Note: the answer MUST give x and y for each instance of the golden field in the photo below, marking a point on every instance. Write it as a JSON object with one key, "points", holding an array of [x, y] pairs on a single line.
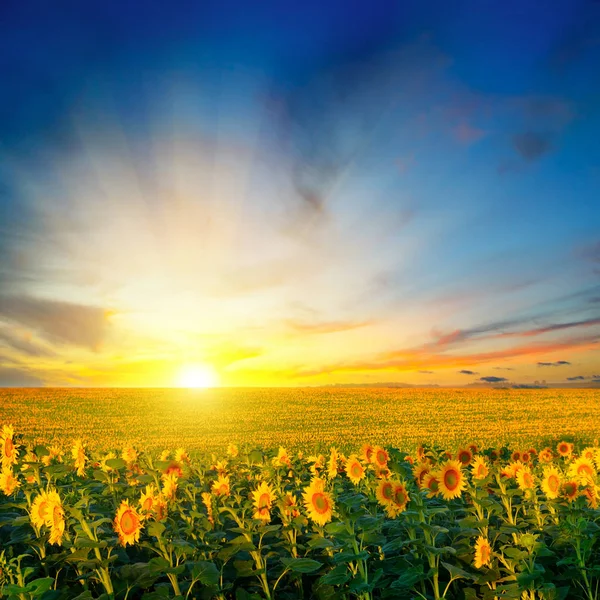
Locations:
{"points": [[208, 420]]}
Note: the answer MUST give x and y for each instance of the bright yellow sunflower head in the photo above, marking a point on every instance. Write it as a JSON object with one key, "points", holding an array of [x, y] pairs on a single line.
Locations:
{"points": [[57, 519], [419, 471], [170, 485], [451, 480], [525, 479], [384, 492], [41, 511], [127, 524], [232, 450], [367, 452], [282, 459], [332, 465], [546, 455], [8, 482], [318, 503], [129, 455], [380, 457], [431, 483], [480, 468], [8, 449], [483, 553], [399, 500], [78, 453], [570, 490], [564, 449], [551, 482], [354, 469], [582, 470], [221, 486], [262, 498], [148, 499]]}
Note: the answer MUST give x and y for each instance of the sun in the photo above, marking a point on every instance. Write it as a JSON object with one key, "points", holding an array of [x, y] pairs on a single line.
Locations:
{"points": [[197, 376]]}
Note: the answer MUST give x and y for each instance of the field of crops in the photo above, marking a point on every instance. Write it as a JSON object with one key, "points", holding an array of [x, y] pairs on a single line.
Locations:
{"points": [[301, 418], [460, 523]]}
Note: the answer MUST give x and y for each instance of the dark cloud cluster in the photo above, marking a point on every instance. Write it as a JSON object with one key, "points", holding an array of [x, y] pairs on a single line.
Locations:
{"points": [[531, 145], [467, 372], [492, 379], [558, 363]]}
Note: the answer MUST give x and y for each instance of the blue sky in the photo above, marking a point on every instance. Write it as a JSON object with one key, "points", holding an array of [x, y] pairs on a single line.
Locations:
{"points": [[299, 194]]}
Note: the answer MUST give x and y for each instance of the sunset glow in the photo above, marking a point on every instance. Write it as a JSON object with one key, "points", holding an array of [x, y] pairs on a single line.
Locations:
{"points": [[197, 376]]}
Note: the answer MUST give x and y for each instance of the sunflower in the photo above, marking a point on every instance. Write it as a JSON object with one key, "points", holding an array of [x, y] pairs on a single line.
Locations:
{"points": [[127, 524], [515, 456], [282, 459], [354, 470], [464, 456], [367, 452], [452, 481], [129, 455], [54, 453], [431, 483], [57, 519], [169, 487], [525, 479], [473, 448], [78, 453], [399, 500], [570, 490], [148, 499], [483, 553], [589, 452], [384, 492], [40, 511], [480, 468], [221, 486], [207, 500], [164, 455], [525, 456], [174, 468], [565, 449], [8, 448], [262, 499], [546, 455], [332, 470], [551, 482], [380, 457], [318, 503], [8, 482], [582, 470], [592, 495], [419, 471], [181, 456], [232, 450], [511, 470], [289, 506]]}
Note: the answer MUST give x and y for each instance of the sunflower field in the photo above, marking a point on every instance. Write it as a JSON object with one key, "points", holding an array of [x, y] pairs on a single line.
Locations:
{"points": [[460, 523]]}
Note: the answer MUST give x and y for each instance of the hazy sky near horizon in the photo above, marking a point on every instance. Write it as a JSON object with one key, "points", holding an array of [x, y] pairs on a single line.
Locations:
{"points": [[299, 193]]}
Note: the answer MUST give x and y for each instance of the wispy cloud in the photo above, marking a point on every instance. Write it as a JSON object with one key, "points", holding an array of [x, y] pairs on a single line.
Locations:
{"points": [[326, 327], [467, 372], [57, 321], [558, 363]]}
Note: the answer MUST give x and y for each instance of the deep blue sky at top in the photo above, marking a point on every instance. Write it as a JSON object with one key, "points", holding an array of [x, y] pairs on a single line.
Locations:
{"points": [[482, 116]]}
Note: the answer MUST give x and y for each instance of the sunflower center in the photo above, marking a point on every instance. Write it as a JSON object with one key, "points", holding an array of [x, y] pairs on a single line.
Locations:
{"points": [[553, 483], [147, 504], [320, 503], [128, 522], [264, 501], [386, 491], [400, 496], [451, 479], [356, 470], [585, 470], [464, 458], [434, 485]]}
